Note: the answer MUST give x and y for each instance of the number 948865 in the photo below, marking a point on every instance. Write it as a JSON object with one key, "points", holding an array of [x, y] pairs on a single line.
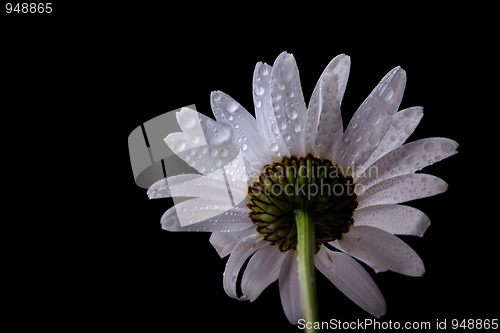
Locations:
{"points": [[28, 8]]}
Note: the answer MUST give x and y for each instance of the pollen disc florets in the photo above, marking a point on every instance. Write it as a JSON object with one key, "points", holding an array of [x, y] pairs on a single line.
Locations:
{"points": [[307, 183]]}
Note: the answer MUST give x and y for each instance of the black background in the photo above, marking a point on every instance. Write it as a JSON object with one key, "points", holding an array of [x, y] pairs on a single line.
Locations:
{"points": [[80, 81]]}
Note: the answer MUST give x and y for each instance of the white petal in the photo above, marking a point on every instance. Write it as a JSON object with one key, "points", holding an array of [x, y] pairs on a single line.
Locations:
{"points": [[244, 249], [290, 288], [161, 188], [351, 279], [229, 184], [264, 114], [190, 185], [224, 242], [288, 102], [323, 124], [395, 219], [262, 270], [234, 219], [204, 144], [401, 189], [245, 133], [402, 126], [381, 250], [188, 119], [407, 159], [372, 119]]}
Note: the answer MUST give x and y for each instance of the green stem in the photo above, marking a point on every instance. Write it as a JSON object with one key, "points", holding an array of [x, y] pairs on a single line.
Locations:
{"points": [[307, 279]]}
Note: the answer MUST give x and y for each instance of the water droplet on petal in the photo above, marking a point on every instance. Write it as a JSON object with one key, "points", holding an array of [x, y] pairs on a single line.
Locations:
{"points": [[297, 128], [429, 147], [259, 90], [409, 129], [244, 147], [446, 147], [220, 133], [373, 116], [353, 150], [410, 160], [274, 147], [276, 96], [386, 92], [196, 139], [180, 145], [291, 113], [232, 106], [397, 124]]}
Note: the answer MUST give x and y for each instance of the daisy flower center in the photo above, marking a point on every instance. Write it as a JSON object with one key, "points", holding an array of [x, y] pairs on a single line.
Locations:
{"points": [[310, 184]]}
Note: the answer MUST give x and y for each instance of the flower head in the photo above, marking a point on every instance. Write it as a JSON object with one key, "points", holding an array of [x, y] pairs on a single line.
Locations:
{"points": [[294, 166]]}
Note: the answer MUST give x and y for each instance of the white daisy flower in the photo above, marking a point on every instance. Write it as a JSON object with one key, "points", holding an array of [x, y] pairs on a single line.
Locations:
{"points": [[274, 190]]}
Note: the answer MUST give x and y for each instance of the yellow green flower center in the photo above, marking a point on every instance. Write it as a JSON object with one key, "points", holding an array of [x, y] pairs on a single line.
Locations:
{"points": [[310, 184]]}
